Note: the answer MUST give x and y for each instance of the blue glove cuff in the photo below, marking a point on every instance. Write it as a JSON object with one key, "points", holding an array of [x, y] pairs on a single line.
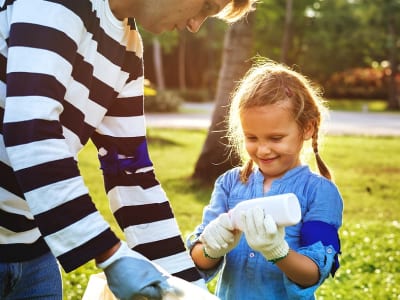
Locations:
{"points": [[122, 251]]}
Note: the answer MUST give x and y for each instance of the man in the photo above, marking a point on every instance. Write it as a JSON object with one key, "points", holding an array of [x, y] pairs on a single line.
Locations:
{"points": [[73, 71]]}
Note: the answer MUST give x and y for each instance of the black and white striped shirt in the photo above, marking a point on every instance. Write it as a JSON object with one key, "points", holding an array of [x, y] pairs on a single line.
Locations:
{"points": [[70, 72]]}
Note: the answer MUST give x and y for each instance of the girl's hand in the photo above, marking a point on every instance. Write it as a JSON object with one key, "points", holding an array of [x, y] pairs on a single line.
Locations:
{"points": [[219, 237], [263, 235]]}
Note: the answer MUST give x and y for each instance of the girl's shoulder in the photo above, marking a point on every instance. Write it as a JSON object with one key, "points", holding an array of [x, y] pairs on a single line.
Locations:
{"points": [[304, 176], [231, 174], [230, 179], [322, 183], [313, 186]]}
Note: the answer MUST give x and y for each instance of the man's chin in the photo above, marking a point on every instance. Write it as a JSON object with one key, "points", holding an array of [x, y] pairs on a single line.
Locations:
{"points": [[156, 30]]}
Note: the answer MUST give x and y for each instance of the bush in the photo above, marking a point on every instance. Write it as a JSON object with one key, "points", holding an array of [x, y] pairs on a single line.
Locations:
{"points": [[163, 101], [197, 96], [362, 83]]}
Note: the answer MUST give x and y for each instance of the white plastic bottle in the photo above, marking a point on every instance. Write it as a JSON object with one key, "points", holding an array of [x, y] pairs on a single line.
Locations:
{"points": [[284, 209]]}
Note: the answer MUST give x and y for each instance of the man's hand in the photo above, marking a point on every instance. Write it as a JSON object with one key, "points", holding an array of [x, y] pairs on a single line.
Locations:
{"points": [[219, 237], [263, 235], [130, 275]]}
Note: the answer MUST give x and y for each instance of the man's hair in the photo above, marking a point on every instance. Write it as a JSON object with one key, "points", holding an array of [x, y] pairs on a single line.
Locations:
{"points": [[236, 9]]}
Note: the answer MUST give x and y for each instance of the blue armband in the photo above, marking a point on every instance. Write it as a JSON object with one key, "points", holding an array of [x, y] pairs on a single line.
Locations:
{"points": [[315, 231], [112, 164]]}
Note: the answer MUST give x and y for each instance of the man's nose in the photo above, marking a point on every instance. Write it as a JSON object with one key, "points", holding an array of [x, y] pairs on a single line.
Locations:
{"points": [[194, 24]]}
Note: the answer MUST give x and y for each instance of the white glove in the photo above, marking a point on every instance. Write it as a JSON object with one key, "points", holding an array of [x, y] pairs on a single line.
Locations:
{"points": [[219, 237], [263, 235]]}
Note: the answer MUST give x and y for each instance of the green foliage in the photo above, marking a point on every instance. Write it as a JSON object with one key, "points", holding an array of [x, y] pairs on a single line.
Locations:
{"points": [[366, 169], [329, 36], [325, 37], [163, 101], [168, 40], [195, 95]]}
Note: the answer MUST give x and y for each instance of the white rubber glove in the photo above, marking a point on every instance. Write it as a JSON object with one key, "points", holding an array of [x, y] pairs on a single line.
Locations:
{"points": [[219, 237], [263, 235], [130, 274]]}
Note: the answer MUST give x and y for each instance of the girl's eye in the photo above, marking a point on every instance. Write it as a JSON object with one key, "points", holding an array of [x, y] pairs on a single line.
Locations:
{"points": [[276, 138], [251, 138]]}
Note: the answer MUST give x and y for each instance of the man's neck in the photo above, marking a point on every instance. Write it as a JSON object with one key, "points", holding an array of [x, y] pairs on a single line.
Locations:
{"points": [[126, 8]]}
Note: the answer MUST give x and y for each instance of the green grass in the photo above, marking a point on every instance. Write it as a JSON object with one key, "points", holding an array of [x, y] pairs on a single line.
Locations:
{"points": [[374, 105], [366, 169], [357, 105]]}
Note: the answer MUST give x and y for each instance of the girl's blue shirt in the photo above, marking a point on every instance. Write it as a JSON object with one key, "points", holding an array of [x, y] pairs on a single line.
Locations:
{"points": [[245, 273]]}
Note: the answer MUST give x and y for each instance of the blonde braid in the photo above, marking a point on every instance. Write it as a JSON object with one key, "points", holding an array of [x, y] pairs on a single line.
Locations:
{"points": [[246, 171], [322, 167]]}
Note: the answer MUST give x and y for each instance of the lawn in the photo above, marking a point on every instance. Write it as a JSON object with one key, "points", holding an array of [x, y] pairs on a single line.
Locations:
{"points": [[366, 169], [372, 105]]}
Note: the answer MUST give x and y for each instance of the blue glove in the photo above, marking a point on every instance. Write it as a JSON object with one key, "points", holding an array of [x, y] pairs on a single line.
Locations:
{"points": [[130, 275]]}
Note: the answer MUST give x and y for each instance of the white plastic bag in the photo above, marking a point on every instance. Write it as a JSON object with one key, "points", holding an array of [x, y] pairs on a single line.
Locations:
{"points": [[97, 289]]}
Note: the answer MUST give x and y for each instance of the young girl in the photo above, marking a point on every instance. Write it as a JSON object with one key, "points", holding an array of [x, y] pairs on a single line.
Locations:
{"points": [[274, 111]]}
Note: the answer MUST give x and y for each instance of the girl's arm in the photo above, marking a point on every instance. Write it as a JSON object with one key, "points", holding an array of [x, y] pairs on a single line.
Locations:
{"points": [[264, 236], [299, 269], [218, 238], [200, 259]]}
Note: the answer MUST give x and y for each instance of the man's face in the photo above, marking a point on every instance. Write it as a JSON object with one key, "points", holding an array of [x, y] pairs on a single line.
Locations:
{"points": [[178, 14]]}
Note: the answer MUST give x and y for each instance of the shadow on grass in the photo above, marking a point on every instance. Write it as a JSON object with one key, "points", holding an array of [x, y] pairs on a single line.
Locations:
{"points": [[159, 141]]}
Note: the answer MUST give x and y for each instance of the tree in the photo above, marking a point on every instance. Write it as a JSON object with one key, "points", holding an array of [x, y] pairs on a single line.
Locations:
{"points": [[181, 60], [238, 45], [287, 32], [393, 14], [158, 64]]}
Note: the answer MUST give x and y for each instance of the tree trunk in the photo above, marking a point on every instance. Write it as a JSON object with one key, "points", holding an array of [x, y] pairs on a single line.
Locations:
{"points": [[182, 60], [214, 158], [158, 65], [394, 90], [287, 32]]}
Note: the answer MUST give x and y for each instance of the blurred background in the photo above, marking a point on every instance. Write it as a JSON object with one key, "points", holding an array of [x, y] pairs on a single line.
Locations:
{"points": [[350, 47]]}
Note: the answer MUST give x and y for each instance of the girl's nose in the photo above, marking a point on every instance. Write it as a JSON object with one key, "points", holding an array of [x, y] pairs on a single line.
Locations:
{"points": [[194, 24], [263, 149]]}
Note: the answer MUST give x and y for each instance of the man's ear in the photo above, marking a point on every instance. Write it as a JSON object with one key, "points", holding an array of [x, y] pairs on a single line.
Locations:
{"points": [[309, 130]]}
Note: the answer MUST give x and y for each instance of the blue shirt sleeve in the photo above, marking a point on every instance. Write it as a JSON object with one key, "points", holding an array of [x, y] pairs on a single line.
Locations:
{"points": [[319, 239], [324, 203], [217, 206], [315, 231], [323, 256]]}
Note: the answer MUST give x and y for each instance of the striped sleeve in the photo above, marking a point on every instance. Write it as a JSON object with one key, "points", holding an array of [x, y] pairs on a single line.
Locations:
{"points": [[75, 76], [42, 54]]}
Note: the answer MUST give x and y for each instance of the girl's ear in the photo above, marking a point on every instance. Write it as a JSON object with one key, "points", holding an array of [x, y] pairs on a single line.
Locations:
{"points": [[309, 130]]}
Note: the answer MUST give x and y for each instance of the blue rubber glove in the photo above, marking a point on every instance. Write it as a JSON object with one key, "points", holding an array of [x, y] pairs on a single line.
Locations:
{"points": [[130, 275]]}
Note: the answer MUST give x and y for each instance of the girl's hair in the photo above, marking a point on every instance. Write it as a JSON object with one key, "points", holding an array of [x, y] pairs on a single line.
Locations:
{"points": [[236, 9], [268, 82]]}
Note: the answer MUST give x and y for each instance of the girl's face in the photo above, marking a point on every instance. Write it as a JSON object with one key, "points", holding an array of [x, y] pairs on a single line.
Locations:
{"points": [[273, 139], [162, 15]]}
